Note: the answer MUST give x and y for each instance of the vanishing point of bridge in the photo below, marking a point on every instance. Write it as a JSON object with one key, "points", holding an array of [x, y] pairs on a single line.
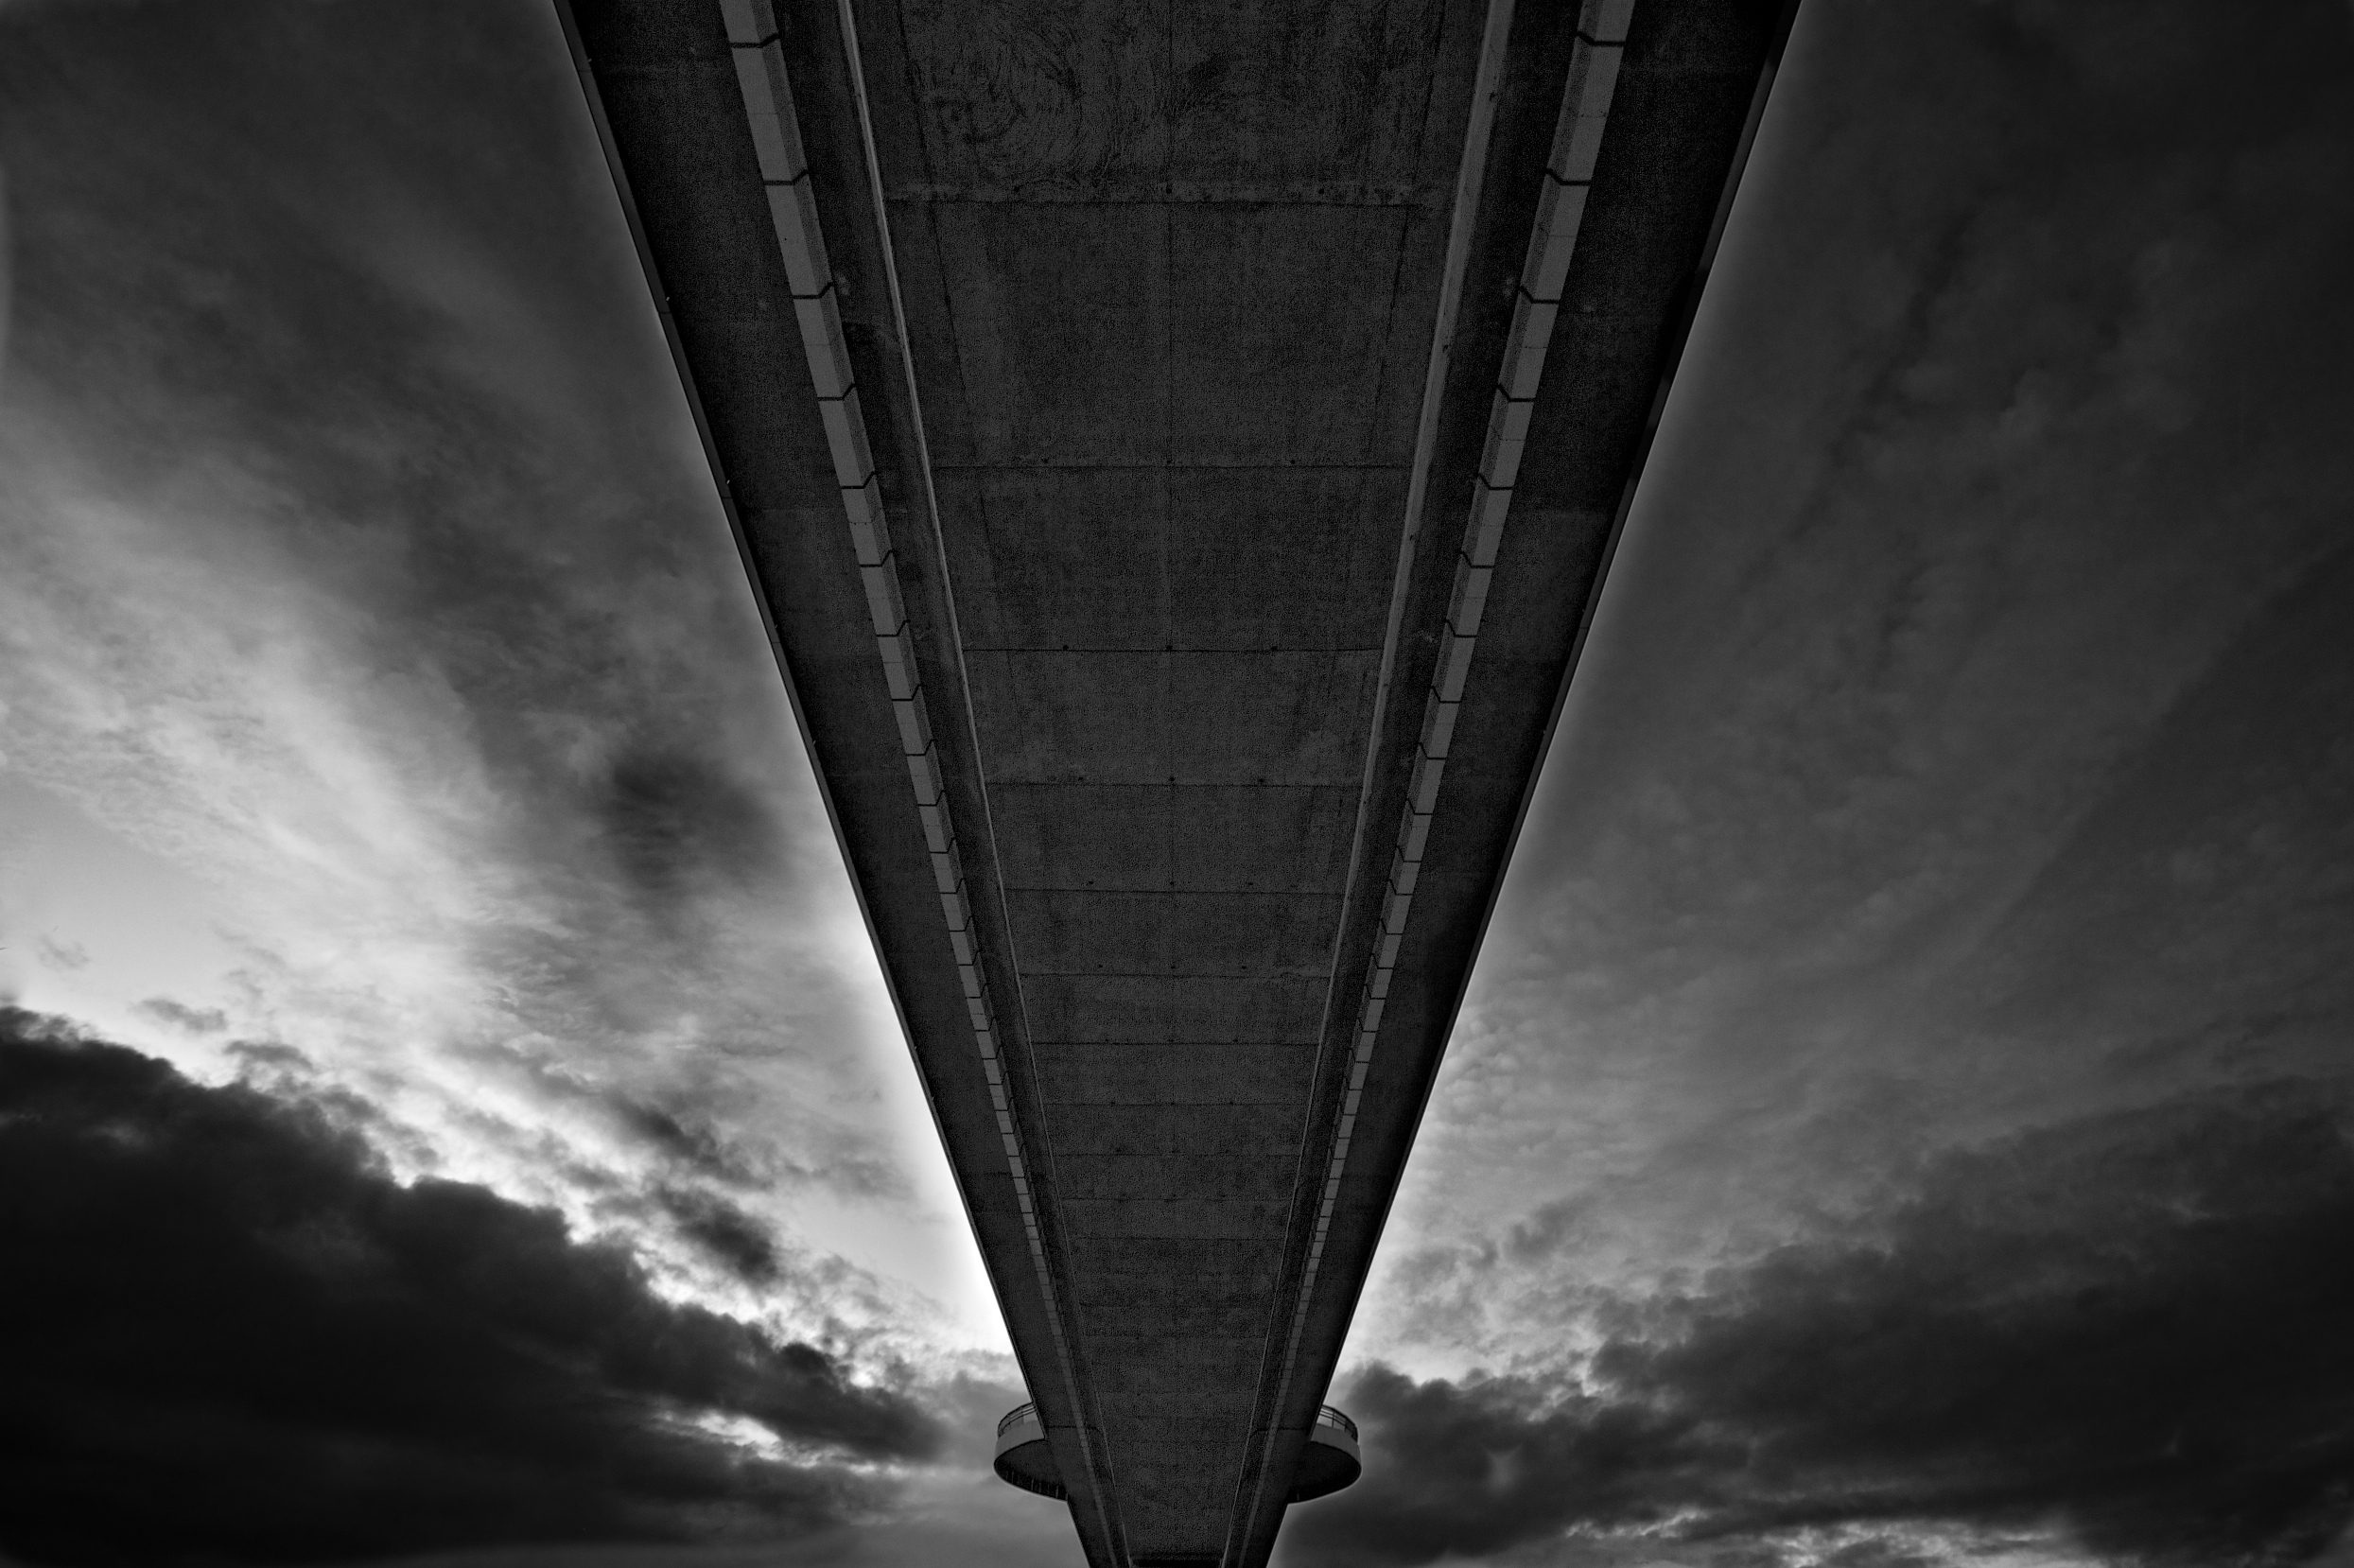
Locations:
{"points": [[1175, 446]]}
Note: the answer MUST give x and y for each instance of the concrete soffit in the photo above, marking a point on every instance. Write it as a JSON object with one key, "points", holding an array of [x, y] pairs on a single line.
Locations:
{"points": [[754, 39], [1600, 41]]}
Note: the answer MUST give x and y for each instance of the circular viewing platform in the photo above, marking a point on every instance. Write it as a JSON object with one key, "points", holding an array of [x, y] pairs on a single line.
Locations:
{"points": [[1022, 1455], [1328, 1461]]}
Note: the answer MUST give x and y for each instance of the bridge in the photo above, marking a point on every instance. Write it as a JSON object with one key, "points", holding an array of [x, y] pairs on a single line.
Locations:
{"points": [[1175, 446]]}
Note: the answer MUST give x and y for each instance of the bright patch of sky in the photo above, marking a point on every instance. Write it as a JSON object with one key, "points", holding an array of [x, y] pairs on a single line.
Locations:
{"points": [[277, 802]]}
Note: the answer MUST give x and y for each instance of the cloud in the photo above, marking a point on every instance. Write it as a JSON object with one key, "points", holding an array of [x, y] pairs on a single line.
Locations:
{"points": [[1955, 750], [2126, 1333], [228, 1333], [361, 578], [725, 1231], [193, 1021], [672, 819], [62, 955]]}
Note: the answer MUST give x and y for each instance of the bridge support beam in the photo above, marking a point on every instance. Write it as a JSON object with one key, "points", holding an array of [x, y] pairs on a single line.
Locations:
{"points": [[1177, 455]]}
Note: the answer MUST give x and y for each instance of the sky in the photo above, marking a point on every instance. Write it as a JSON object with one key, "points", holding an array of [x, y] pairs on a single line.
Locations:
{"points": [[1903, 1116]]}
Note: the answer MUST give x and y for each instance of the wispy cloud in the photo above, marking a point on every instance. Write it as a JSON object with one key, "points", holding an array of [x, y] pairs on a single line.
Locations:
{"points": [[365, 601], [194, 1021]]}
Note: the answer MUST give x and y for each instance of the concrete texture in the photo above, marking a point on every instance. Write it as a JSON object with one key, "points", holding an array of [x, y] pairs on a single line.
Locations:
{"points": [[1076, 432]]}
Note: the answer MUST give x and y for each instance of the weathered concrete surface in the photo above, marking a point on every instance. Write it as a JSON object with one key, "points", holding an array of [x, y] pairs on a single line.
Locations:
{"points": [[1147, 412]]}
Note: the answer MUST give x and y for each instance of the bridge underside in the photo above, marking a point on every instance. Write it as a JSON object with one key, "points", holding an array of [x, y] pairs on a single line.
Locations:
{"points": [[1177, 447]]}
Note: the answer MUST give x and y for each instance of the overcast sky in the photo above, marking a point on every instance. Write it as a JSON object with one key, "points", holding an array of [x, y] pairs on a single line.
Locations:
{"points": [[1903, 1113]]}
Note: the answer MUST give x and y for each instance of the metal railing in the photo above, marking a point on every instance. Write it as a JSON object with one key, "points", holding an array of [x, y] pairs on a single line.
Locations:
{"points": [[1330, 1416]]}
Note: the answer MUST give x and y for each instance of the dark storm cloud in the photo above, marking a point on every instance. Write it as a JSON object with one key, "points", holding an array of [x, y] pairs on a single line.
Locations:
{"points": [[227, 1334], [2134, 1325], [690, 1130], [266, 1058], [689, 1141], [724, 1232]]}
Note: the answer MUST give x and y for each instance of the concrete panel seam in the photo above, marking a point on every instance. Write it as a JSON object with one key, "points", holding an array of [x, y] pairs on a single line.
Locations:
{"points": [[1417, 835], [936, 836], [749, 21], [1438, 724], [1524, 362], [1507, 436], [869, 535], [1486, 535], [1605, 20], [1561, 213], [899, 668], [1469, 607], [885, 610], [775, 143], [820, 320], [793, 213], [1586, 107], [1454, 666], [845, 440], [915, 736]]}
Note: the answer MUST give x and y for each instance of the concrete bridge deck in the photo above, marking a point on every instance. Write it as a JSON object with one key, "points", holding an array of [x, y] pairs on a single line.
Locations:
{"points": [[1177, 447]]}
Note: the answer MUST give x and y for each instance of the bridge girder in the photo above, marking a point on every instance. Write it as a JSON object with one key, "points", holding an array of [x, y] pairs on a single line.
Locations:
{"points": [[1177, 448]]}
